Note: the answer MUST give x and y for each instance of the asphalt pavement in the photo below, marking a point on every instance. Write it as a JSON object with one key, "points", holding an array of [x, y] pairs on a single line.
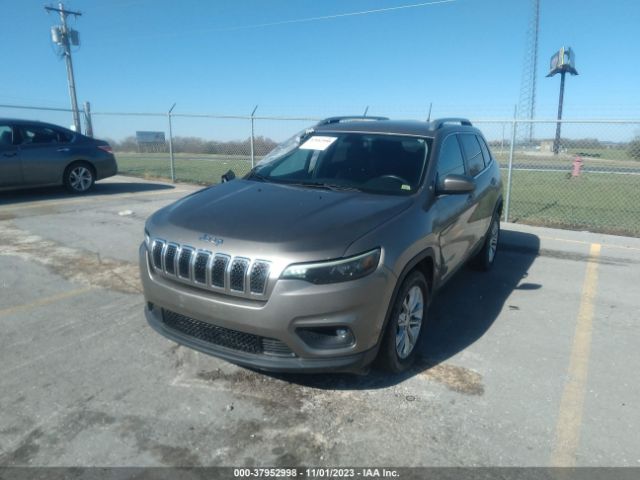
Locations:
{"points": [[533, 364]]}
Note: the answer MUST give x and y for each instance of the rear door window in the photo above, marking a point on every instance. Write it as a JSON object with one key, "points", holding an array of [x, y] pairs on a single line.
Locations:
{"points": [[485, 151], [473, 153], [42, 135], [450, 160]]}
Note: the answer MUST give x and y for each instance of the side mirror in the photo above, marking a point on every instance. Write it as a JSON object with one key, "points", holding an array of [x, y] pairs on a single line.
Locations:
{"points": [[227, 177], [454, 184]]}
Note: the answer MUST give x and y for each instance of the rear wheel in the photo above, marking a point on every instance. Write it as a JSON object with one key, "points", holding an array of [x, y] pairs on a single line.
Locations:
{"points": [[408, 315], [79, 177], [486, 256]]}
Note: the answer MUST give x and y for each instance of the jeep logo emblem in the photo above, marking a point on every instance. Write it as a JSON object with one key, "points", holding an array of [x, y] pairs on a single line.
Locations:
{"points": [[211, 239]]}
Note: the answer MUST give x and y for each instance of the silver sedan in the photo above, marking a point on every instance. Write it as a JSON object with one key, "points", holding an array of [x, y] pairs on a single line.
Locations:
{"points": [[37, 154]]}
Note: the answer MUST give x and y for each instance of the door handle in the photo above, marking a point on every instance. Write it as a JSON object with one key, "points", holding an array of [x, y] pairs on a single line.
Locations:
{"points": [[10, 154], [63, 149]]}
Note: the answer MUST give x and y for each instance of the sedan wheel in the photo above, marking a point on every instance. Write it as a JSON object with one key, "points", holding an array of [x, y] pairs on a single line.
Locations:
{"points": [[80, 178]]}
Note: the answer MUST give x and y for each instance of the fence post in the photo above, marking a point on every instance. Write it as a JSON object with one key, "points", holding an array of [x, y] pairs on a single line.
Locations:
{"points": [[253, 158], [173, 165], [88, 125], [509, 180]]}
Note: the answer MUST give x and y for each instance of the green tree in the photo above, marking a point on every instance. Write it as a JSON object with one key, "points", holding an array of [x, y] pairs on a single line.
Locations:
{"points": [[634, 148]]}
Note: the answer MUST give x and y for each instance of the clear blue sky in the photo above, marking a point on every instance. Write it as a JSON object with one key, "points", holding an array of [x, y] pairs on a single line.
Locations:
{"points": [[466, 57]]}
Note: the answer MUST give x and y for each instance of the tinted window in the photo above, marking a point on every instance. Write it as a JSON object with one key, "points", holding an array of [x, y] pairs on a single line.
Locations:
{"points": [[473, 153], [450, 160], [39, 134], [485, 151], [6, 135]]}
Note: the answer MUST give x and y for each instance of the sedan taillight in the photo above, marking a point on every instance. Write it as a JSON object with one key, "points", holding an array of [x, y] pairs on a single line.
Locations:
{"points": [[106, 148]]}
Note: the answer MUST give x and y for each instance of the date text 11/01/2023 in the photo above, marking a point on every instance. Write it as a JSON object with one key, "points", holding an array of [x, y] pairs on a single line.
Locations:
{"points": [[314, 472]]}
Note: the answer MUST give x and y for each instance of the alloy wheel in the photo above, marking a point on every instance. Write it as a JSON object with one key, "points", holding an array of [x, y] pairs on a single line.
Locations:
{"points": [[80, 178], [409, 322]]}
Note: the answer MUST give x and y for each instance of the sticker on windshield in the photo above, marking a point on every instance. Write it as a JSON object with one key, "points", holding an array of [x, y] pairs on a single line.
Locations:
{"points": [[405, 187], [318, 143]]}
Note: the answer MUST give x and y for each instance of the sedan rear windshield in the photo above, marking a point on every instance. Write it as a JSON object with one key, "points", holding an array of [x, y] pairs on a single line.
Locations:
{"points": [[374, 163]]}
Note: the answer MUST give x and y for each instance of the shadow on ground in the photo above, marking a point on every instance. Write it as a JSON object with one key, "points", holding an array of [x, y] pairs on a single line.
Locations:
{"points": [[462, 312], [10, 197]]}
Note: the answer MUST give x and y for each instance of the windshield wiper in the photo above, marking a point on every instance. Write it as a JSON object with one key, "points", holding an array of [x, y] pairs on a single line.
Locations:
{"points": [[258, 176], [328, 186]]}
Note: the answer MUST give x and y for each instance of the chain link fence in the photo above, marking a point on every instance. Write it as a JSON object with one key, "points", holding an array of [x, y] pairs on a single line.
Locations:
{"points": [[588, 179]]}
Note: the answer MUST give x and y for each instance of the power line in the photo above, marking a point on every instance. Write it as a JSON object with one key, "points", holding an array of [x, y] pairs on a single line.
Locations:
{"points": [[302, 20], [338, 15]]}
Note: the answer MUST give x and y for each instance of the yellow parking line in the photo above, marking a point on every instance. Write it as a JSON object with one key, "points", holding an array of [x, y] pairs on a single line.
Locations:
{"points": [[71, 201], [572, 402], [582, 242], [44, 301]]}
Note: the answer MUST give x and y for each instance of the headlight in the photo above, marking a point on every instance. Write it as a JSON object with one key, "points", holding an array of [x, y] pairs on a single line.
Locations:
{"points": [[334, 271]]}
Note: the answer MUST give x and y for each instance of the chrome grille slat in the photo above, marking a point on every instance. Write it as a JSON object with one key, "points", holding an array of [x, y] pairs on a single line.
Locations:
{"points": [[170, 258], [258, 277], [218, 272], [237, 274], [156, 253], [201, 260], [184, 262]]}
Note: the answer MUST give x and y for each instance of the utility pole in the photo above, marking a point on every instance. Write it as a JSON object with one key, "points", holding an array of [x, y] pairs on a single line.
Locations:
{"points": [[64, 36]]}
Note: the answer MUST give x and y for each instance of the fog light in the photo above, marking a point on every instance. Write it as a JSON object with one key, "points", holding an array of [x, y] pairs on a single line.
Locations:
{"points": [[326, 337], [342, 333]]}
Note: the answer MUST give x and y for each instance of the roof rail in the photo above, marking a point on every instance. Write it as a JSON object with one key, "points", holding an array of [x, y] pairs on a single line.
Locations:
{"points": [[349, 118], [440, 122]]}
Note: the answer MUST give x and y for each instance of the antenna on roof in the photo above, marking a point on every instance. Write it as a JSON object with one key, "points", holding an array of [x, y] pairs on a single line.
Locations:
{"points": [[429, 116], [365, 111]]}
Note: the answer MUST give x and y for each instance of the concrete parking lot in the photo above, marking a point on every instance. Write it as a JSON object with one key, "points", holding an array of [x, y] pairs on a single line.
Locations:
{"points": [[533, 364]]}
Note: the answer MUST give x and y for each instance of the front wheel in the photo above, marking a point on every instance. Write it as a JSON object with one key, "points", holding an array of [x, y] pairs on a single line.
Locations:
{"points": [[486, 256], [79, 178], [408, 316]]}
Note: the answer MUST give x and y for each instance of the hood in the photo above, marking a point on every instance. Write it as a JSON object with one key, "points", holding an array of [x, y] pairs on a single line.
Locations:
{"points": [[256, 218]]}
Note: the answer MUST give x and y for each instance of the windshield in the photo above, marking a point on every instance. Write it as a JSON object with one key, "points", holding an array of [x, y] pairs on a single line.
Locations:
{"points": [[375, 163]]}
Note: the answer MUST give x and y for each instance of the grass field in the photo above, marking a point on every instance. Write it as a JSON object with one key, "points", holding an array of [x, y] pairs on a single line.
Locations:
{"points": [[599, 202], [191, 168]]}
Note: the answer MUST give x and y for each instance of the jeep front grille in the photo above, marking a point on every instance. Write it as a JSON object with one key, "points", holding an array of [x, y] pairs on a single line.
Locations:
{"points": [[213, 271]]}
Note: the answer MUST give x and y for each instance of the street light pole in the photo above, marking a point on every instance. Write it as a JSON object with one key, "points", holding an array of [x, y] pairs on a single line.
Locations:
{"points": [[561, 62], [556, 142]]}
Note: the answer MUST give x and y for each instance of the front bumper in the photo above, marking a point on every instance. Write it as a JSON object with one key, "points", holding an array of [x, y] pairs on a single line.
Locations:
{"points": [[359, 305]]}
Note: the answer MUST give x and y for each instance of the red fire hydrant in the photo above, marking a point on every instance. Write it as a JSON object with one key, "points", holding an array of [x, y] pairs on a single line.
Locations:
{"points": [[577, 166]]}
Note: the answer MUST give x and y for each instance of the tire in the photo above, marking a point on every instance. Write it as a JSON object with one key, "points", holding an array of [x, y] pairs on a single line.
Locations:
{"points": [[486, 257], [399, 344], [79, 177]]}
